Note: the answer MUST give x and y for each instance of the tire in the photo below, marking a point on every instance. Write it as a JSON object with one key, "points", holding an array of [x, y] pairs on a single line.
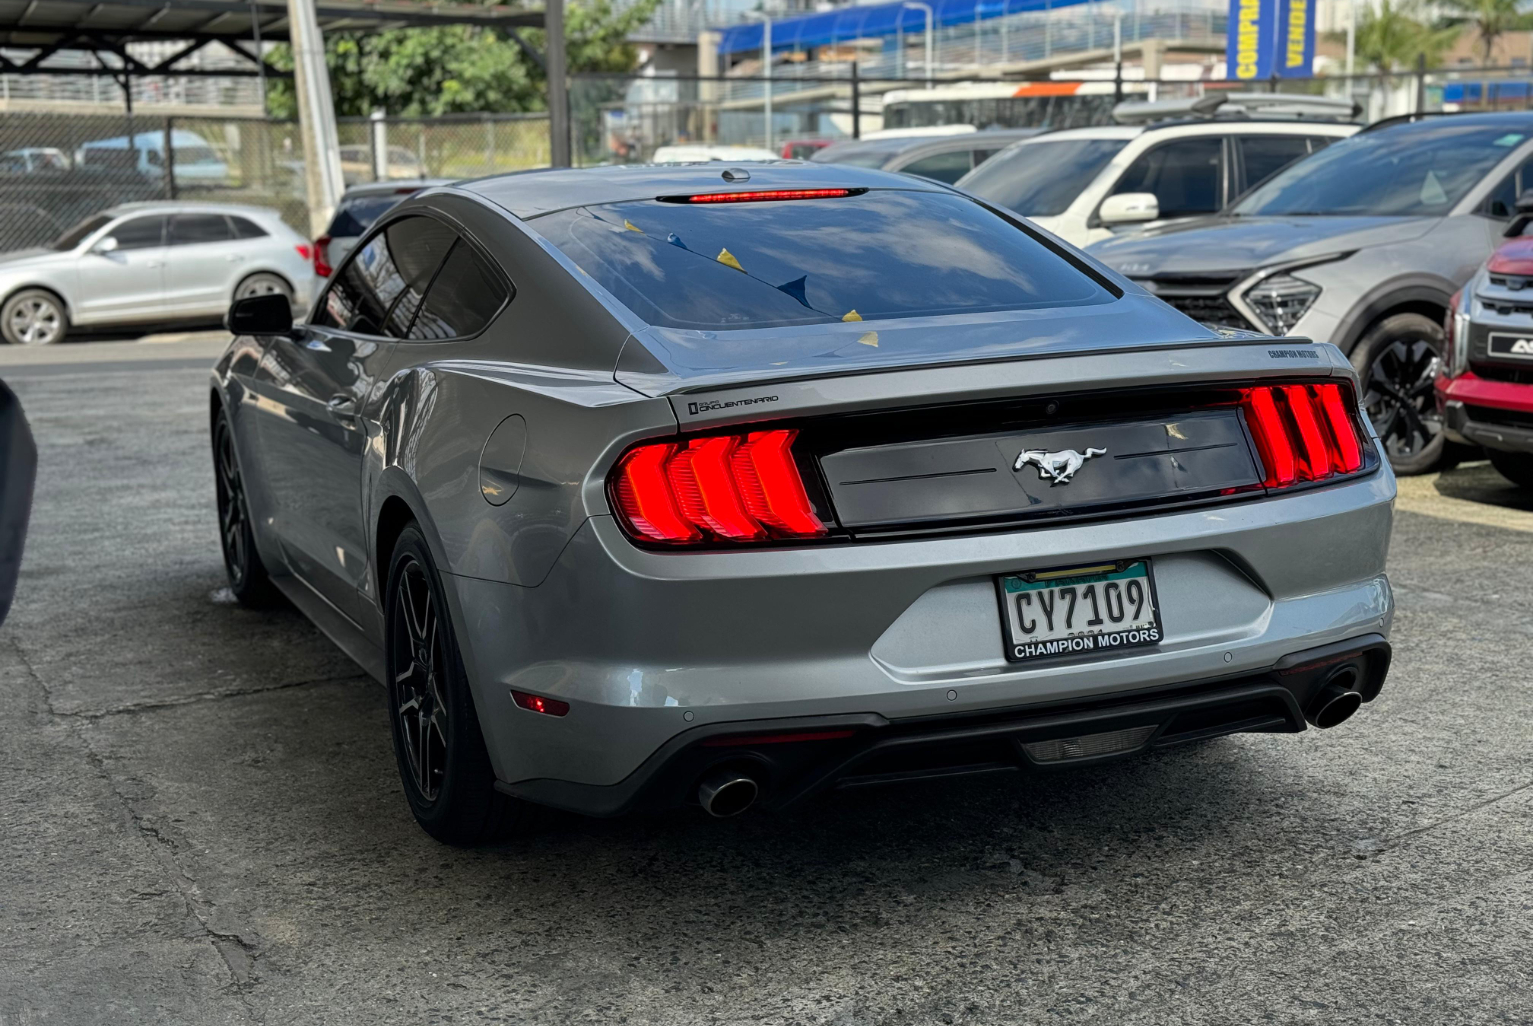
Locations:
{"points": [[248, 579], [34, 317], [263, 284], [1397, 360], [438, 743], [1516, 467]]}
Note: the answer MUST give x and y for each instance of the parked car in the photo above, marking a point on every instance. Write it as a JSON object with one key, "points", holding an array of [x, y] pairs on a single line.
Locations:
{"points": [[1485, 382], [34, 159], [1083, 184], [1361, 245], [357, 164], [803, 149], [359, 207], [643, 487], [195, 161], [18, 474], [943, 158], [690, 152], [151, 263]]}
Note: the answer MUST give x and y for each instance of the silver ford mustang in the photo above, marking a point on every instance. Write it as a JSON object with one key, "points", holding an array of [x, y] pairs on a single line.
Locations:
{"points": [[642, 487]]}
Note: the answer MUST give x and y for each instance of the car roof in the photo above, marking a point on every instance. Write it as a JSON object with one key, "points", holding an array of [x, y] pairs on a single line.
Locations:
{"points": [[1426, 121], [528, 194], [188, 207], [992, 138], [890, 146]]}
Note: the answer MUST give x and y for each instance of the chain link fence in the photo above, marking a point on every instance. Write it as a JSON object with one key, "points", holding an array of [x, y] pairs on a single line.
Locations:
{"points": [[57, 169]]}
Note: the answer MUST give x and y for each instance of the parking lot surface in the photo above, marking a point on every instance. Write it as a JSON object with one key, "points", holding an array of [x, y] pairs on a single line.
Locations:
{"points": [[201, 821]]}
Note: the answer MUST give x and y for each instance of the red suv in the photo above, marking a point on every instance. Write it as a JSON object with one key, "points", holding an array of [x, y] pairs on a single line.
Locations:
{"points": [[1485, 383]]}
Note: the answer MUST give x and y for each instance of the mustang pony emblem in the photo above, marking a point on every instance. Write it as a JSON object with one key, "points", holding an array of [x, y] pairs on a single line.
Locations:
{"points": [[1059, 466]]}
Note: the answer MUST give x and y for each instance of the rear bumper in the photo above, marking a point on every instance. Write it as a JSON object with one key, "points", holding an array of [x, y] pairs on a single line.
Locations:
{"points": [[1494, 414], [789, 762]]}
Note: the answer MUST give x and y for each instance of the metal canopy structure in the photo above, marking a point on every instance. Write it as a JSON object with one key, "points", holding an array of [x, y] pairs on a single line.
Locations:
{"points": [[47, 27]]}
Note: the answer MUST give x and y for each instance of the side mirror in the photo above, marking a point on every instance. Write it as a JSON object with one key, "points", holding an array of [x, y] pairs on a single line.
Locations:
{"points": [[18, 470], [105, 246], [1524, 207], [1129, 208], [260, 315]]}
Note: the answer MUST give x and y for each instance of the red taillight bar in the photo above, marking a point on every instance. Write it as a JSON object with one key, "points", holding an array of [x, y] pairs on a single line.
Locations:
{"points": [[762, 195], [731, 488], [1302, 432], [321, 266]]}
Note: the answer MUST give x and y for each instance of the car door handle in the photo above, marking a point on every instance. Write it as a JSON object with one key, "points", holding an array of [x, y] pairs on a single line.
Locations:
{"points": [[342, 406]]}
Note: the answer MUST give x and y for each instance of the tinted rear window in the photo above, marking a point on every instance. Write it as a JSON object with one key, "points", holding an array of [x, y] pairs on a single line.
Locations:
{"points": [[886, 253], [355, 216]]}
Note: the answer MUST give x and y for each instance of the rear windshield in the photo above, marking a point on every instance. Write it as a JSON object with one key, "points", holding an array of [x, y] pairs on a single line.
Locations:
{"points": [[354, 216], [1041, 179], [885, 253]]}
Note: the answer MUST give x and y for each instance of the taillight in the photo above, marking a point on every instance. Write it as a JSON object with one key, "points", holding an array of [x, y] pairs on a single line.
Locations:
{"points": [[762, 195], [1302, 432], [721, 488], [321, 266]]}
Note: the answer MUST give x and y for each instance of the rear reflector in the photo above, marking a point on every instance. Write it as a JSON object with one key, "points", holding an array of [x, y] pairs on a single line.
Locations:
{"points": [[731, 488], [762, 196], [539, 704], [1303, 432], [303, 250]]}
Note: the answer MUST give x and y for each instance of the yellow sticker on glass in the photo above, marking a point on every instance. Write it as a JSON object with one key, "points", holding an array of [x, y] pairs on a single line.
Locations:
{"points": [[869, 338], [852, 315], [632, 227], [727, 258]]}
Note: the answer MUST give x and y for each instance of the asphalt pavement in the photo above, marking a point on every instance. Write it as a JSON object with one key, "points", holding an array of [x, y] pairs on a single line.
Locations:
{"points": [[201, 822]]}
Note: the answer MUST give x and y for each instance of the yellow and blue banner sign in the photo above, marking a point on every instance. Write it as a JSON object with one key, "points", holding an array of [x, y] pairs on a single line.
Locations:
{"points": [[1270, 37]]}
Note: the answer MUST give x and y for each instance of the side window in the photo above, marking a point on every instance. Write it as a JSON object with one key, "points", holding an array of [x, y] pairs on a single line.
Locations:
{"points": [[395, 264], [419, 244], [191, 229], [943, 167], [1266, 155], [1501, 204], [462, 298], [140, 233], [1183, 175], [245, 228], [1320, 142]]}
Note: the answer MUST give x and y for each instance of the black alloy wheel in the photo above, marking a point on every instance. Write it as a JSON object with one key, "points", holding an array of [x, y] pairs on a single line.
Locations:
{"points": [[1398, 361], [438, 744], [247, 575], [419, 664]]}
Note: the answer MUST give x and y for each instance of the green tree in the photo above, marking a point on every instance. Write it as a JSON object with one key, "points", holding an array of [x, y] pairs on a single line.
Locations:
{"points": [[1390, 37], [462, 68], [1490, 18]]}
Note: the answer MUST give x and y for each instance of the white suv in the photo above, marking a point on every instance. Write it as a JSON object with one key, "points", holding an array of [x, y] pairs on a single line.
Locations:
{"points": [[1084, 183]]}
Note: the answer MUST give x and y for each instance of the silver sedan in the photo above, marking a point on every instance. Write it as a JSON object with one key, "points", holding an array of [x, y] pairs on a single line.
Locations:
{"points": [[151, 264]]}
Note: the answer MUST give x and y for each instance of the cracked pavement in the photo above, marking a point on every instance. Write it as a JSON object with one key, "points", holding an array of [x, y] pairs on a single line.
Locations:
{"points": [[201, 821]]}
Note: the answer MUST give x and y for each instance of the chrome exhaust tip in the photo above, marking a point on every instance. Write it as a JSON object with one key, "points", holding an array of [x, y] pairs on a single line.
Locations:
{"points": [[727, 793], [1337, 699]]}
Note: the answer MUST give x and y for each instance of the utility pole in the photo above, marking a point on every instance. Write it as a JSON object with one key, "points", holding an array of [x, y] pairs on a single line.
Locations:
{"points": [[316, 116], [558, 85], [766, 68]]}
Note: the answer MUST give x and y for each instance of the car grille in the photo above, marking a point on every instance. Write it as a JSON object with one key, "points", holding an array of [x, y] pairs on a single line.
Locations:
{"points": [[1203, 297], [1514, 282], [1496, 372], [1505, 418]]}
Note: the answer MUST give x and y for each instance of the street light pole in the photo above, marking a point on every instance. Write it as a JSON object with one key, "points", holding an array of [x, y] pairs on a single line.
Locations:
{"points": [[766, 67], [1351, 41], [558, 85], [918, 5]]}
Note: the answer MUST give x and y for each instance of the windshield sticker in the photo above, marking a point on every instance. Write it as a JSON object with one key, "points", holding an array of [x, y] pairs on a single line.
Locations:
{"points": [[1510, 139], [632, 227], [1432, 190], [727, 258], [851, 315], [869, 338]]}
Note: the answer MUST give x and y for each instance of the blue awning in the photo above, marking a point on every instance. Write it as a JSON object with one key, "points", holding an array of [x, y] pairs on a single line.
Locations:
{"points": [[873, 21]]}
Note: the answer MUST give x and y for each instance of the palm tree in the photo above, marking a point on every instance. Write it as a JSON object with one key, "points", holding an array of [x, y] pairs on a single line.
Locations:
{"points": [[1390, 36], [1490, 18]]}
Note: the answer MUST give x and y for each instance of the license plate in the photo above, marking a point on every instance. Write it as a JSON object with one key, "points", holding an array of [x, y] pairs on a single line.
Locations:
{"points": [[1512, 347], [1096, 610]]}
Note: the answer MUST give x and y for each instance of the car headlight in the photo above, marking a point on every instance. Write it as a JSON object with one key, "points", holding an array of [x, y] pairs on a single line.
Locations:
{"points": [[1280, 300]]}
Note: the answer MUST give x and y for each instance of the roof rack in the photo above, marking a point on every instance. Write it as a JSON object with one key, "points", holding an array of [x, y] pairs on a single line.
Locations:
{"points": [[1237, 105]]}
